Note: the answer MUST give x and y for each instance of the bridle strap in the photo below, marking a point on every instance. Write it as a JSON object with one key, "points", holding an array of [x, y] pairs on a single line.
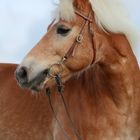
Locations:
{"points": [[79, 38], [83, 16], [91, 30]]}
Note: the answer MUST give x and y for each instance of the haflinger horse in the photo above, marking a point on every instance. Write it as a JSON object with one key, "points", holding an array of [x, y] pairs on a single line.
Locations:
{"points": [[86, 74]]}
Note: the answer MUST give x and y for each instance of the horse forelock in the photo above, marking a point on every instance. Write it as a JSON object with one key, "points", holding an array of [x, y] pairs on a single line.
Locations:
{"points": [[66, 8]]}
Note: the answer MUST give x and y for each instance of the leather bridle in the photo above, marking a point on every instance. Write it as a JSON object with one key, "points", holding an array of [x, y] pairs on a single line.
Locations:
{"points": [[57, 76], [78, 40]]}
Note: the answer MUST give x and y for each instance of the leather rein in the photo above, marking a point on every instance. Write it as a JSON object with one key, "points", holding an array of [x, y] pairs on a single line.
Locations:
{"points": [[57, 76]]}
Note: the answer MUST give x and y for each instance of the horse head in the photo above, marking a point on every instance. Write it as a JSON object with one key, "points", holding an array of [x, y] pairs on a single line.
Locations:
{"points": [[67, 48], [80, 36]]}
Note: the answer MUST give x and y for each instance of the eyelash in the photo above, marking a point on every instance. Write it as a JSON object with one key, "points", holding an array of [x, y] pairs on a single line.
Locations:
{"points": [[62, 31]]}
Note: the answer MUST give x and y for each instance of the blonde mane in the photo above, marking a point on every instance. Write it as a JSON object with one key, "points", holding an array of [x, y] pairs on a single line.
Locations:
{"points": [[110, 15]]}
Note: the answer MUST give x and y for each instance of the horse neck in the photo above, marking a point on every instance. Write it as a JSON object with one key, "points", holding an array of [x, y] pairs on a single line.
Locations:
{"points": [[119, 68], [114, 76]]}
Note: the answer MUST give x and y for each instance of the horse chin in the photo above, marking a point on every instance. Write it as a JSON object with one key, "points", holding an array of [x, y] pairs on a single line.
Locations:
{"points": [[36, 86], [32, 87]]}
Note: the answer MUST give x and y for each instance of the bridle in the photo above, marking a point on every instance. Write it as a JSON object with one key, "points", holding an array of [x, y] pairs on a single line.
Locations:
{"points": [[78, 40], [57, 76]]}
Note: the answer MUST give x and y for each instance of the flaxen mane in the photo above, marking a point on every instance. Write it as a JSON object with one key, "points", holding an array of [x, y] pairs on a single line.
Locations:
{"points": [[111, 15]]}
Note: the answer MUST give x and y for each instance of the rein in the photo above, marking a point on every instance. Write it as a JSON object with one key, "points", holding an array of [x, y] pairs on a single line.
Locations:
{"points": [[57, 76]]}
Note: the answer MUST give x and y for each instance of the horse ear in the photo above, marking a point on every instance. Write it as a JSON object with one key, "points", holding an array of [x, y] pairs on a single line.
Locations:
{"points": [[82, 5]]}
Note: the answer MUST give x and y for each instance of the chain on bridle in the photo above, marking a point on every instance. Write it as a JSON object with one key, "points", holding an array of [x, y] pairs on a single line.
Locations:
{"points": [[57, 76]]}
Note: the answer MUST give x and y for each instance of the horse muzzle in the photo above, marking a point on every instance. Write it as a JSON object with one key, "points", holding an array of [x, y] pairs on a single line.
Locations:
{"points": [[40, 80], [36, 84]]}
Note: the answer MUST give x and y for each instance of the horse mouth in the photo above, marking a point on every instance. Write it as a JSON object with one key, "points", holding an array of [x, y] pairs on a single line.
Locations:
{"points": [[37, 84], [45, 79]]}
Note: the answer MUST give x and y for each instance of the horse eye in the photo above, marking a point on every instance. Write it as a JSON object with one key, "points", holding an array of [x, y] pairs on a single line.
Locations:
{"points": [[63, 30]]}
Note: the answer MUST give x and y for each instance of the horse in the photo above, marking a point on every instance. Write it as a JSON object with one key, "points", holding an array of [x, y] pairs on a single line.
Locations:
{"points": [[80, 82]]}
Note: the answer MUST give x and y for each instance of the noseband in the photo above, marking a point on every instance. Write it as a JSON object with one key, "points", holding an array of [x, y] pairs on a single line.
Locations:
{"points": [[57, 75]]}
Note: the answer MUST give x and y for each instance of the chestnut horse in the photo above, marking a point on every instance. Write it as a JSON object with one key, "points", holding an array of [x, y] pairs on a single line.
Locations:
{"points": [[87, 51]]}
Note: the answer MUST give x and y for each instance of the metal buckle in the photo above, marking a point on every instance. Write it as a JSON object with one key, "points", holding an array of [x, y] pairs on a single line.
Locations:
{"points": [[79, 38]]}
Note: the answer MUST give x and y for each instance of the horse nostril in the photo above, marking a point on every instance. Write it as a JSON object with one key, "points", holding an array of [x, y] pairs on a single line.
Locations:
{"points": [[21, 75]]}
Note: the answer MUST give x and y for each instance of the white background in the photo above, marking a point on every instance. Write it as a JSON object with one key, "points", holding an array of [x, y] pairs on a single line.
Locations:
{"points": [[23, 23]]}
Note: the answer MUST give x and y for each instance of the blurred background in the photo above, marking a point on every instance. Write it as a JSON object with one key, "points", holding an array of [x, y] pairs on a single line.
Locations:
{"points": [[24, 22]]}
